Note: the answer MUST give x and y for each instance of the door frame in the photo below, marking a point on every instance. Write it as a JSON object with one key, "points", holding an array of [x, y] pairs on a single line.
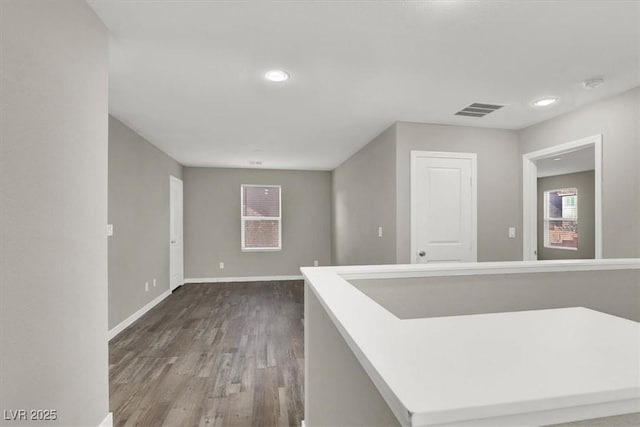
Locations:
{"points": [[530, 192], [415, 155], [173, 179]]}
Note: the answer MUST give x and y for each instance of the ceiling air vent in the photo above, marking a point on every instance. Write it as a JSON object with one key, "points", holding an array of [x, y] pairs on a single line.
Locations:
{"points": [[478, 110]]}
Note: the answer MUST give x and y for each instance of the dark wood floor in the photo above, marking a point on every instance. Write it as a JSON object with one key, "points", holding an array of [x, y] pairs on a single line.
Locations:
{"points": [[227, 354]]}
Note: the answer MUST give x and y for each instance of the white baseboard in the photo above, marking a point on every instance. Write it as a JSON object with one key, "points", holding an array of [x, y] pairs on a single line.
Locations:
{"points": [[138, 314], [108, 421], [241, 279]]}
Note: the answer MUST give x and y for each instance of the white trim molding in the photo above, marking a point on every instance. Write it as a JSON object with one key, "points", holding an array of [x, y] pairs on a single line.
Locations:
{"points": [[475, 268], [242, 279], [108, 421], [530, 198], [138, 314]]}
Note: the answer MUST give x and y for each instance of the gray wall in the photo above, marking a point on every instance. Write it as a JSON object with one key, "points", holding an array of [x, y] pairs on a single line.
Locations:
{"points": [[364, 198], [372, 188], [139, 211], [585, 183], [357, 210], [212, 222], [53, 210], [334, 378], [615, 292], [498, 190], [618, 120]]}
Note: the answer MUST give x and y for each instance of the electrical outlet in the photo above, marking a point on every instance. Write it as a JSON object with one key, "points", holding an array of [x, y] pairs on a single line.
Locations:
{"points": [[154, 282], [109, 229], [146, 286], [222, 266], [512, 232], [315, 263], [379, 231]]}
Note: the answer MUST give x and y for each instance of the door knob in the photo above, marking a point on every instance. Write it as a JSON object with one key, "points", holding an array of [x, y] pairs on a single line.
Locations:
{"points": [[422, 253], [173, 242]]}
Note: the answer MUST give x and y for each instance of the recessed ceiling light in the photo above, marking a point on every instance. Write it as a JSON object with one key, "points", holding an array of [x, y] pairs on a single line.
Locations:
{"points": [[557, 158], [544, 102], [276, 76]]}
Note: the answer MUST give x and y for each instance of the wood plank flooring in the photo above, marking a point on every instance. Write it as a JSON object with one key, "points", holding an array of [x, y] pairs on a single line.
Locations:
{"points": [[224, 354]]}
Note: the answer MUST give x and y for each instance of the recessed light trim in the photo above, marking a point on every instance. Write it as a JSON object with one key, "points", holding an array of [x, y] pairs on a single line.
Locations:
{"points": [[547, 101], [276, 76]]}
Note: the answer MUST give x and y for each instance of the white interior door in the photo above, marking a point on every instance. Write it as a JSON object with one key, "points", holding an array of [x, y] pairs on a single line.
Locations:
{"points": [[443, 207], [176, 269]]}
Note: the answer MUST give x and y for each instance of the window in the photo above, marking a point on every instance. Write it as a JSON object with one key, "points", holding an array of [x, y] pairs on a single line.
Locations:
{"points": [[561, 219], [261, 218]]}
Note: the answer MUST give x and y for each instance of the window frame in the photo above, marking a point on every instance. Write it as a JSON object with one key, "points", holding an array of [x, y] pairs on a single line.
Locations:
{"points": [[546, 219], [244, 219]]}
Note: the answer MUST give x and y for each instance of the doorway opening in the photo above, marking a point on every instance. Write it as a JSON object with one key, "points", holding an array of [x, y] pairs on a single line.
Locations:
{"points": [[553, 228]]}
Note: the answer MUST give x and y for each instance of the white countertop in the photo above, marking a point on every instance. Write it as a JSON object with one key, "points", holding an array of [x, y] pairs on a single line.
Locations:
{"points": [[457, 369]]}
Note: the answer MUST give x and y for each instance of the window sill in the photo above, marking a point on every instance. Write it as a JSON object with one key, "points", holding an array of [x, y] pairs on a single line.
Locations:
{"points": [[560, 247], [261, 249]]}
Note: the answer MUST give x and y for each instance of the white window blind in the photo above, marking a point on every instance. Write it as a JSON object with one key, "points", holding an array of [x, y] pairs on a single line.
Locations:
{"points": [[261, 218]]}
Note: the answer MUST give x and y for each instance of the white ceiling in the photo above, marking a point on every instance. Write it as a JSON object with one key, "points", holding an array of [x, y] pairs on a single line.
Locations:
{"points": [[188, 75], [575, 161]]}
